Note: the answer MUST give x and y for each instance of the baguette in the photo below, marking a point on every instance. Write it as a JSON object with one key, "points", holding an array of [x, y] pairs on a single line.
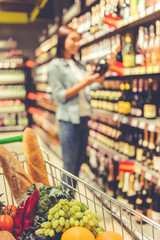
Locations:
{"points": [[18, 180], [36, 165], [5, 235]]}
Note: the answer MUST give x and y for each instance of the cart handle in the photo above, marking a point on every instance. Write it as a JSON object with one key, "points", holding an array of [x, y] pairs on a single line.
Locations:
{"points": [[11, 139]]}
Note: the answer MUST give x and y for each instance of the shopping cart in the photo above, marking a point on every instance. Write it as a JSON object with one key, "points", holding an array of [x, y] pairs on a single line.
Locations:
{"points": [[115, 215]]}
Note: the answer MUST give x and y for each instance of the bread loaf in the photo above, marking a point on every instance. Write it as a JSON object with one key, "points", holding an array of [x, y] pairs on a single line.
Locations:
{"points": [[5, 235], [36, 165], [18, 180]]}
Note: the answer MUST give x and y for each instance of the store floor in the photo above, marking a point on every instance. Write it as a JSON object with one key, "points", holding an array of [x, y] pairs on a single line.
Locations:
{"points": [[18, 147]]}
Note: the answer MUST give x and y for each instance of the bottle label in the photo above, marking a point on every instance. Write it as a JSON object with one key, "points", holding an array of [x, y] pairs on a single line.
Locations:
{"points": [[149, 111], [139, 154], [156, 163], [126, 148], [136, 112], [128, 60], [121, 106], [131, 150], [127, 107]]}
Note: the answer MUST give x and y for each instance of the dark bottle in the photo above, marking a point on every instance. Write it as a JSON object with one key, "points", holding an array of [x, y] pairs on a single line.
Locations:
{"points": [[137, 101], [139, 149], [101, 67], [156, 157], [145, 146], [150, 108], [121, 99], [127, 101], [120, 185], [149, 200], [110, 180], [132, 142], [151, 151], [156, 205]]}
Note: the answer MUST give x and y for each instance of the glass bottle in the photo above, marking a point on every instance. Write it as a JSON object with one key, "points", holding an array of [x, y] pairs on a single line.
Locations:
{"points": [[151, 151], [150, 46], [128, 52], [140, 58], [156, 48], [156, 157], [150, 108], [139, 149], [145, 146]]}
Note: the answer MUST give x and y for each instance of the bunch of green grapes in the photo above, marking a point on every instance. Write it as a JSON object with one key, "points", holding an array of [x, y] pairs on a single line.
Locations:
{"points": [[66, 214]]}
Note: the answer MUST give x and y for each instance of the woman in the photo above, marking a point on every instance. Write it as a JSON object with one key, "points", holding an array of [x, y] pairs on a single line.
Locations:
{"points": [[71, 85]]}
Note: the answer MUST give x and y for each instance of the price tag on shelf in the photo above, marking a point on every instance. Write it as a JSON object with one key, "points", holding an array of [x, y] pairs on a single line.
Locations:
{"points": [[149, 69], [115, 117], [142, 124], [142, 14], [156, 69], [157, 6], [137, 70], [148, 176], [125, 21], [142, 70], [150, 10], [124, 120], [130, 19], [134, 122], [151, 127]]}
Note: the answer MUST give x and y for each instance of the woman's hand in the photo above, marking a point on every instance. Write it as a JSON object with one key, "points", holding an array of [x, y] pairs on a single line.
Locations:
{"points": [[91, 78]]}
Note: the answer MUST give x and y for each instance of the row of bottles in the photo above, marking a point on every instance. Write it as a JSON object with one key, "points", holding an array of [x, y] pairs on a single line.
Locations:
{"points": [[12, 76], [130, 188], [147, 49], [118, 12], [12, 91], [137, 97], [145, 53], [142, 145], [13, 119]]}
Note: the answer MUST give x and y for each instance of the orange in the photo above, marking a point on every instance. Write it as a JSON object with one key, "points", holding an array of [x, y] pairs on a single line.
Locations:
{"points": [[109, 236], [77, 233]]}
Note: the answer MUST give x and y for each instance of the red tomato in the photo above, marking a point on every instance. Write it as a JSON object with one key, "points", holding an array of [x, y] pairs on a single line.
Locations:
{"points": [[6, 223], [11, 209]]}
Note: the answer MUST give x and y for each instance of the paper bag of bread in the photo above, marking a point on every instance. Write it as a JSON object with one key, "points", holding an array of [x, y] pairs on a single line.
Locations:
{"points": [[18, 180], [36, 165]]}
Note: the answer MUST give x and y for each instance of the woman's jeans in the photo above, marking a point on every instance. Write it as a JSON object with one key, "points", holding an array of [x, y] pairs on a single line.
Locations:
{"points": [[74, 139]]}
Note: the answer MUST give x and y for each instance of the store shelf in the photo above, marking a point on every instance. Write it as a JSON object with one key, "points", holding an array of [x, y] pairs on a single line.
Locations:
{"points": [[150, 15], [11, 128], [142, 123], [138, 167]]}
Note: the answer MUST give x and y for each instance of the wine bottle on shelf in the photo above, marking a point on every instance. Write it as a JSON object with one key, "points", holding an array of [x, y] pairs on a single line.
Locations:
{"points": [[127, 101], [134, 100], [125, 185], [131, 194], [151, 151], [149, 200], [132, 142], [156, 157], [120, 185], [140, 57], [145, 146], [150, 48], [156, 205], [156, 49], [139, 149], [150, 108], [128, 52], [121, 99], [110, 181]]}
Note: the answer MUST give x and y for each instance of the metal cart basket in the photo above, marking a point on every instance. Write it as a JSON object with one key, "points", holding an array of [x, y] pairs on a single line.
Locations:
{"points": [[115, 215]]}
